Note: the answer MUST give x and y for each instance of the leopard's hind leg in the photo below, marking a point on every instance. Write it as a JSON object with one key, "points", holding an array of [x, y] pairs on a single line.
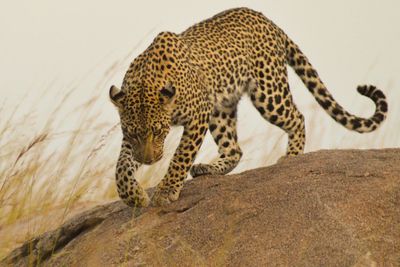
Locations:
{"points": [[273, 100]]}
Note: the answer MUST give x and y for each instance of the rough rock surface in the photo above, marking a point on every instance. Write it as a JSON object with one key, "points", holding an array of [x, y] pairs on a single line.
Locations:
{"points": [[328, 208]]}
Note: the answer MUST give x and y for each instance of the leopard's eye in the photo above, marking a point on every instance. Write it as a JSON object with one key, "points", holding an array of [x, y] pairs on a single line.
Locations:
{"points": [[157, 130], [134, 141], [132, 138]]}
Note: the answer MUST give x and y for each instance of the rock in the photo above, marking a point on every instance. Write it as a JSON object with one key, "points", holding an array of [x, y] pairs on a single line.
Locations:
{"points": [[327, 208]]}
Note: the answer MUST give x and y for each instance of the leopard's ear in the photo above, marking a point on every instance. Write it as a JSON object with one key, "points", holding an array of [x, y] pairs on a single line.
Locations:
{"points": [[167, 93], [116, 96]]}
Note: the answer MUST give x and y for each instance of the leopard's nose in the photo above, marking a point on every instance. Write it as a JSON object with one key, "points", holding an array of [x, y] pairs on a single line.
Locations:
{"points": [[149, 156], [151, 160], [148, 151], [148, 162]]}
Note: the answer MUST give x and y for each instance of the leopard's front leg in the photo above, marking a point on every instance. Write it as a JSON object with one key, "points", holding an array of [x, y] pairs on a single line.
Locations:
{"points": [[170, 187], [128, 187]]}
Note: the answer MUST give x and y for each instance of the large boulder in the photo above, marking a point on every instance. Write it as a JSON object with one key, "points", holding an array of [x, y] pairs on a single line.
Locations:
{"points": [[327, 208]]}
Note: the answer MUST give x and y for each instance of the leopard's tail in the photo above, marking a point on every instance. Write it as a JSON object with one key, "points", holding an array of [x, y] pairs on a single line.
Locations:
{"points": [[299, 62]]}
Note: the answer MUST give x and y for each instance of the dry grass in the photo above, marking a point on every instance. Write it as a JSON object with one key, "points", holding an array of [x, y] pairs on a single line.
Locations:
{"points": [[49, 169], [49, 174]]}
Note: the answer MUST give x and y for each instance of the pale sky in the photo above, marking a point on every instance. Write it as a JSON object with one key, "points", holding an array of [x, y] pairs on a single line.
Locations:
{"points": [[52, 44], [46, 39]]}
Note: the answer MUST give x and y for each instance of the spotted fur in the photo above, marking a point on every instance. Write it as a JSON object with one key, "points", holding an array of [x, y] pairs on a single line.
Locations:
{"points": [[196, 78]]}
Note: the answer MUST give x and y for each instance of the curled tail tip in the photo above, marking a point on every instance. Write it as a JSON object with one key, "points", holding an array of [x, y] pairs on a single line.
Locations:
{"points": [[364, 89], [376, 95], [381, 110], [372, 92]]}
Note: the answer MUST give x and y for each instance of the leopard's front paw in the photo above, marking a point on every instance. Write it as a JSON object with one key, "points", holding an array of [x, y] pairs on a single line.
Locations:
{"points": [[164, 196], [200, 169], [144, 200], [139, 199]]}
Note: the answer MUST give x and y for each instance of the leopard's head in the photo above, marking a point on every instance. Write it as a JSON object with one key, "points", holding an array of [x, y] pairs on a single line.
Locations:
{"points": [[149, 93], [145, 117]]}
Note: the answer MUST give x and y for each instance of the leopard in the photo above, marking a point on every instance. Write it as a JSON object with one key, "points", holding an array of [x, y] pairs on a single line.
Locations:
{"points": [[195, 80]]}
